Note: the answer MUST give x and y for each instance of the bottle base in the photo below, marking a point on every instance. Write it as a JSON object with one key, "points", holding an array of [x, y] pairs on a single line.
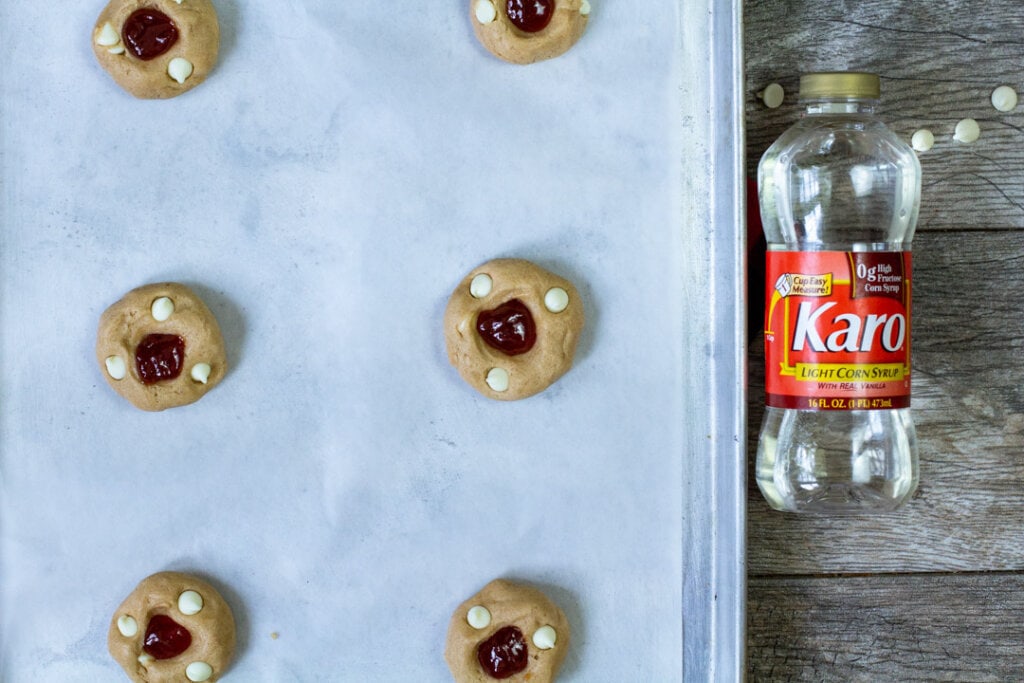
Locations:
{"points": [[837, 462], [840, 498]]}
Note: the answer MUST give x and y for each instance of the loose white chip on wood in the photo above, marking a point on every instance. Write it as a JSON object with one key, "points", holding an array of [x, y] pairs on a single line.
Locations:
{"points": [[922, 140], [967, 131], [773, 95], [1004, 98]]}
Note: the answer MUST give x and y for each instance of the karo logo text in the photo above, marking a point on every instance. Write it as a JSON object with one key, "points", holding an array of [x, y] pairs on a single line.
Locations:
{"points": [[848, 332]]}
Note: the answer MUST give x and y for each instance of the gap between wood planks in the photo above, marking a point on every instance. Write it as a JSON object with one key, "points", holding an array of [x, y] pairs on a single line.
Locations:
{"points": [[885, 574]]}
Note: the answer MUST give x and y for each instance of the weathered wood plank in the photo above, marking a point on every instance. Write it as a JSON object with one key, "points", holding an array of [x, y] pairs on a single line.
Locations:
{"points": [[939, 62], [887, 628], [968, 384], [857, 615]]}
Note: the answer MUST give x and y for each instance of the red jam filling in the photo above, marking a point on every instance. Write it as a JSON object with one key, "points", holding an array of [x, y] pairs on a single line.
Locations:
{"points": [[159, 357], [504, 654], [509, 328], [165, 638], [530, 15], [149, 33]]}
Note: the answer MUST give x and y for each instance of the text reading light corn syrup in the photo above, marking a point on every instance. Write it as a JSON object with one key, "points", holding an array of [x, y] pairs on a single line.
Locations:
{"points": [[837, 330]]}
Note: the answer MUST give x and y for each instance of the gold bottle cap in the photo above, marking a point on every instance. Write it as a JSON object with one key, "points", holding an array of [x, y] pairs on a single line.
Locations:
{"points": [[850, 84]]}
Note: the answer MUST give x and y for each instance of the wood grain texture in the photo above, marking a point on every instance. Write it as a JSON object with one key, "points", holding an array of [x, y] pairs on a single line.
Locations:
{"points": [[881, 598], [887, 628], [939, 62]]}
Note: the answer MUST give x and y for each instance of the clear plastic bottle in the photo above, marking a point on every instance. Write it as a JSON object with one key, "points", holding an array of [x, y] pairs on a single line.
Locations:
{"points": [[838, 186]]}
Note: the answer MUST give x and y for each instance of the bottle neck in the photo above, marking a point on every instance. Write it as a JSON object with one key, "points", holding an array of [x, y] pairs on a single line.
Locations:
{"points": [[838, 105]]}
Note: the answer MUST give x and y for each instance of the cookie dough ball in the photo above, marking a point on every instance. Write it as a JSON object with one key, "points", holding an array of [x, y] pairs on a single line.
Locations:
{"points": [[511, 328], [527, 31], [507, 631], [160, 347], [172, 628], [157, 49]]}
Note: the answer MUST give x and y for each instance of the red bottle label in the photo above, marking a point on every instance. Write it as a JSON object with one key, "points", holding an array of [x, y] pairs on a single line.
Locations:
{"points": [[837, 330]]}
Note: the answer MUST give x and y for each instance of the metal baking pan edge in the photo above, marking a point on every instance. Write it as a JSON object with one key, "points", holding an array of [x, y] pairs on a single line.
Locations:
{"points": [[714, 562]]}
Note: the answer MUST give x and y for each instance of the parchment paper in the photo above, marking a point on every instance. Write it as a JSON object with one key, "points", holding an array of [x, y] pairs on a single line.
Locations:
{"points": [[324, 191]]}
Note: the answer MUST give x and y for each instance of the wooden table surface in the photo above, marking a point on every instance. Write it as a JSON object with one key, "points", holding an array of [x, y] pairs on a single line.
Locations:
{"points": [[935, 591]]}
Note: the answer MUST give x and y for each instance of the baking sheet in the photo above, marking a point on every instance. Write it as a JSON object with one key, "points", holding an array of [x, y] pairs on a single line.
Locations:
{"points": [[341, 170]]}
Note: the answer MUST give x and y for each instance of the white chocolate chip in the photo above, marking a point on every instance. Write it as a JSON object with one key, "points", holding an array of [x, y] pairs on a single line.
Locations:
{"points": [[116, 50], [773, 95], [146, 659], [1004, 98], [556, 300], [190, 603], [478, 617], [201, 372], [198, 671], [107, 36], [485, 11], [116, 367], [967, 131], [179, 69], [922, 140], [162, 309], [481, 286], [545, 637], [585, 8], [127, 626], [497, 379]]}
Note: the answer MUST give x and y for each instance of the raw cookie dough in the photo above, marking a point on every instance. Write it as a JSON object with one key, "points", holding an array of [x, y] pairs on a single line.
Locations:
{"points": [[507, 631], [511, 328], [527, 31], [160, 347], [173, 627], [157, 49]]}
